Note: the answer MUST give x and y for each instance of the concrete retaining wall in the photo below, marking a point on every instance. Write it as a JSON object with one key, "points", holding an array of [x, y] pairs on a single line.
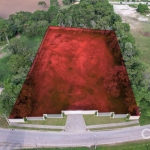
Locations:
{"points": [[120, 115], [83, 112], [104, 114], [35, 118], [54, 115], [16, 120], [134, 117]]}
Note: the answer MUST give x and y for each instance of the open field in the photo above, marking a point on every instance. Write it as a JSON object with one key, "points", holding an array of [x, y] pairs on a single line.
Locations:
{"points": [[140, 29], [8, 7]]}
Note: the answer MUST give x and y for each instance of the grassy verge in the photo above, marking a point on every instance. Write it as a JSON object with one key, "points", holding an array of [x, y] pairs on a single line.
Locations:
{"points": [[50, 121], [94, 120], [41, 129], [133, 5]]}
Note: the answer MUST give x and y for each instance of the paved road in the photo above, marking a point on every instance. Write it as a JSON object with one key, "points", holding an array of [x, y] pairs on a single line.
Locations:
{"points": [[127, 3], [11, 139]]}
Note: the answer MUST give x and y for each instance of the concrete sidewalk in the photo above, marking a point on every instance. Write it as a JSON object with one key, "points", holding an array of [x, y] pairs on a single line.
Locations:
{"points": [[75, 123], [113, 124]]}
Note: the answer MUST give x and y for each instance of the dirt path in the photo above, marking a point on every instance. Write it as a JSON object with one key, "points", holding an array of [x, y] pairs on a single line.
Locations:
{"points": [[130, 15], [1, 89], [8, 7], [140, 29]]}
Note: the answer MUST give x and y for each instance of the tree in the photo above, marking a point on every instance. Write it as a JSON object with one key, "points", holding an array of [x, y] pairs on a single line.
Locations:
{"points": [[4, 29], [68, 2], [52, 13], [142, 8], [60, 18], [17, 47], [54, 3], [42, 3], [6, 102]]}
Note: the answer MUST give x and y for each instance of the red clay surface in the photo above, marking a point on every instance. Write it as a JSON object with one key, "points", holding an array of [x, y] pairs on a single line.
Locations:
{"points": [[76, 69]]}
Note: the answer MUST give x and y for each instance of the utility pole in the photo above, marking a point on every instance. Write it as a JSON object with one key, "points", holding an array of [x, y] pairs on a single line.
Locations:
{"points": [[36, 143], [95, 141]]}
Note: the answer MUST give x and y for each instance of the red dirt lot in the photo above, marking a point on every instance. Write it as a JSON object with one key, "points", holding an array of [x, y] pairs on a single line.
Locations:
{"points": [[76, 69]]}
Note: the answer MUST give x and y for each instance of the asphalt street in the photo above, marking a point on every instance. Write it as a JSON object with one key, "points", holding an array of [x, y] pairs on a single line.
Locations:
{"points": [[11, 139]]}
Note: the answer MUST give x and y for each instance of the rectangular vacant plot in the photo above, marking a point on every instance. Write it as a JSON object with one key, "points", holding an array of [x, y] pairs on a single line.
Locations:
{"points": [[76, 69]]}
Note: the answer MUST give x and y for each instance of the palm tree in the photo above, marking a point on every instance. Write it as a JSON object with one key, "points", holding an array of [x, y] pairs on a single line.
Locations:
{"points": [[60, 18]]}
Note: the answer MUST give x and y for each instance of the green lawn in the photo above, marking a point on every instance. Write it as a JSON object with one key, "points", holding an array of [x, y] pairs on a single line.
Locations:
{"points": [[133, 5], [94, 120], [32, 42], [50, 121], [39, 129]]}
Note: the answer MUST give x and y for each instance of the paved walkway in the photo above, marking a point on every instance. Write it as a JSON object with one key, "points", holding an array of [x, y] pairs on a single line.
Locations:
{"points": [[113, 124], [75, 123], [36, 126]]}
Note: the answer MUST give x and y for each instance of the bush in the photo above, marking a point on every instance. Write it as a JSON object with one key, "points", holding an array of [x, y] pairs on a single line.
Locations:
{"points": [[25, 119], [45, 117], [142, 8], [128, 116]]}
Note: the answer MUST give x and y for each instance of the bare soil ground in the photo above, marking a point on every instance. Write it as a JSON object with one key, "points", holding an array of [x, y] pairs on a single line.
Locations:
{"points": [[8, 7], [72, 75], [131, 16]]}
